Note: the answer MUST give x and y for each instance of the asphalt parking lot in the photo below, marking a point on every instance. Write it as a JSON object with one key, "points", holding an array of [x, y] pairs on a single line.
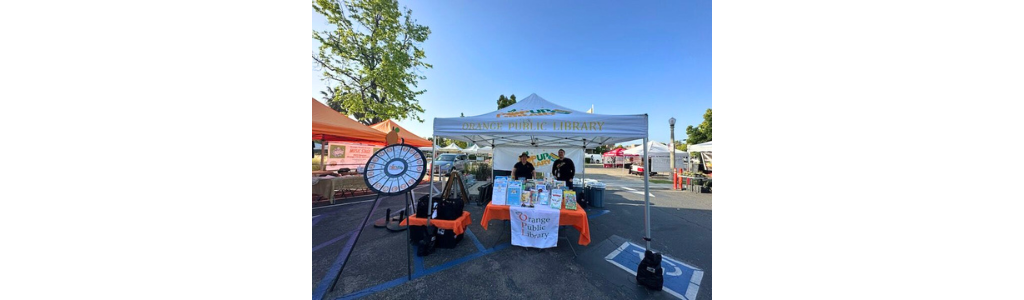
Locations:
{"points": [[485, 265]]}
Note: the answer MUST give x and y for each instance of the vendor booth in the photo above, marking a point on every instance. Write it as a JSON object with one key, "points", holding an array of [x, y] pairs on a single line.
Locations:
{"points": [[617, 158], [349, 145], [539, 128], [659, 156], [404, 135]]}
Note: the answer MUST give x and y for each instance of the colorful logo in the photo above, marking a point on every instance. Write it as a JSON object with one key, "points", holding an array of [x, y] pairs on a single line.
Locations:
{"points": [[532, 113], [542, 159]]}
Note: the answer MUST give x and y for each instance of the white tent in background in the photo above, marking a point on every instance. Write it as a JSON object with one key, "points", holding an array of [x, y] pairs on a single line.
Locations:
{"points": [[451, 148], [485, 150], [471, 149], [535, 123], [702, 147], [660, 158]]}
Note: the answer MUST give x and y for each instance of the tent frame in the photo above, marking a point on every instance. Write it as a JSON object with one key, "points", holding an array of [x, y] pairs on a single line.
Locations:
{"points": [[530, 139]]}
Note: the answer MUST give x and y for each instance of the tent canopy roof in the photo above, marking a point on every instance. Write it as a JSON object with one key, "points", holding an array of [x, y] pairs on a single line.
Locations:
{"points": [[655, 148], [410, 138], [535, 122], [334, 126], [702, 147]]}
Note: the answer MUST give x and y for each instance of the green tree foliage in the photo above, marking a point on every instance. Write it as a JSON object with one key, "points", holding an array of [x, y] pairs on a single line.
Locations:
{"points": [[370, 61], [680, 146], [701, 133], [443, 142], [505, 102], [440, 142], [502, 101]]}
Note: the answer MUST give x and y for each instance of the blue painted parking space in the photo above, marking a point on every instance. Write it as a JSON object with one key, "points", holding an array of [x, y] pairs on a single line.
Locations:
{"points": [[681, 280]]}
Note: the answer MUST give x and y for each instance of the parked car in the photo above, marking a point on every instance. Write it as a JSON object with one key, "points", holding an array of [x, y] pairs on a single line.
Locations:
{"points": [[445, 163], [638, 170]]}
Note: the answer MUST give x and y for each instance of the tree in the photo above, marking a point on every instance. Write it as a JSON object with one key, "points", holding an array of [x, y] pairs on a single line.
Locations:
{"points": [[701, 133], [371, 70], [505, 102], [502, 101], [679, 145], [440, 142]]}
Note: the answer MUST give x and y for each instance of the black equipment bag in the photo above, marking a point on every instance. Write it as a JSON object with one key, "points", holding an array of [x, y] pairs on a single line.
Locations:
{"points": [[447, 238], [451, 207], [649, 273], [427, 242], [485, 191]]}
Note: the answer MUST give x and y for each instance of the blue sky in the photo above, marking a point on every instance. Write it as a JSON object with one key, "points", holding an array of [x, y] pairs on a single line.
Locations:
{"points": [[620, 57]]}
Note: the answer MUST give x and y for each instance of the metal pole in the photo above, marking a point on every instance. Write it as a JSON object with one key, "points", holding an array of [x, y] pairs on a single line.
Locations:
{"points": [[408, 235], [430, 201], [492, 163], [647, 199], [584, 162], [323, 149], [672, 147], [376, 202]]}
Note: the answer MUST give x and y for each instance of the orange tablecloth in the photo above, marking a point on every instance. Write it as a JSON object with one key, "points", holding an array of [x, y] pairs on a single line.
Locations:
{"points": [[458, 225], [577, 218]]}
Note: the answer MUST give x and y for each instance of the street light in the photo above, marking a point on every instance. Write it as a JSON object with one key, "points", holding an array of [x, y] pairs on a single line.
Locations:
{"points": [[672, 146]]}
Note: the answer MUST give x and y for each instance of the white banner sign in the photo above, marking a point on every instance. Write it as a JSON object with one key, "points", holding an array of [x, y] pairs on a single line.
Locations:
{"points": [[348, 155], [534, 227], [541, 158]]}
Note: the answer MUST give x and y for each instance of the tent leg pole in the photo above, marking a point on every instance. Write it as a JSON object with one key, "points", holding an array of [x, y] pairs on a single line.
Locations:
{"points": [[647, 198], [584, 162], [433, 163], [408, 234], [323, 149], [492, 162]]}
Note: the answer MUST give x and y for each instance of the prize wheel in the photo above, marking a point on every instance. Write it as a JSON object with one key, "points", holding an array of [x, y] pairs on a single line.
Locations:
{"points": [[395, 169]]}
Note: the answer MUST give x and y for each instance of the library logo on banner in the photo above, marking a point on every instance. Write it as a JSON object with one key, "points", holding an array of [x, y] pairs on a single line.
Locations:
{"points": [[534, 227]]}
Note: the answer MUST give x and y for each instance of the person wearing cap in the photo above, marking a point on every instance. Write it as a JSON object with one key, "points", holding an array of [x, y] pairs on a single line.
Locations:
{"points": [[564, 169], [523, 168]]}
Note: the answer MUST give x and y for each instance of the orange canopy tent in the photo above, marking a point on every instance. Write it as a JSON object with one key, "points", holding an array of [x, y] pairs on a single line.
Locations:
{"points": [[410, 138], [333, 126]]}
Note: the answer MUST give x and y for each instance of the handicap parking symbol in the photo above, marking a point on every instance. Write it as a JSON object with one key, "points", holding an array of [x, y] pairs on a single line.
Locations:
{"points": [[681, 280]]}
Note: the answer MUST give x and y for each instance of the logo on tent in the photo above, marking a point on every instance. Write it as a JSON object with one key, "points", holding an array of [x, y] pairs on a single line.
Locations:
{"points": [[532, 113]]}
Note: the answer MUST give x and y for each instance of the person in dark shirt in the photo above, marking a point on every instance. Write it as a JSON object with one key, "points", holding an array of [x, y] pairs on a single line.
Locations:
{"points": [[523, 168], [564, 169]]}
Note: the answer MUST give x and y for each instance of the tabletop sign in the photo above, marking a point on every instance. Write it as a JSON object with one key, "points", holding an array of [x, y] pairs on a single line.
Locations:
{"points": [[531, 227], [395, 169], [499, 194]]}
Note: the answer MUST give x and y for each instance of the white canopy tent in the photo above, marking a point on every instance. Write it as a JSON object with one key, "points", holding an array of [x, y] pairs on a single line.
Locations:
{"points": [[705, 153], [471, 149], [659, 154], [486, 150], [702, 147], [535, 122], [451, 148]]}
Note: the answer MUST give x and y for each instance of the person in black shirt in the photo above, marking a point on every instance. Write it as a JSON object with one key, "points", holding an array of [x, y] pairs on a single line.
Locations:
{"points": [[564, 169], [523, 168]]}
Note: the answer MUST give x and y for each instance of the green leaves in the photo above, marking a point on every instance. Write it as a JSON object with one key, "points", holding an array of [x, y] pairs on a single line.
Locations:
{"points": [[370, 60], [505, 102], [701, 133]]}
